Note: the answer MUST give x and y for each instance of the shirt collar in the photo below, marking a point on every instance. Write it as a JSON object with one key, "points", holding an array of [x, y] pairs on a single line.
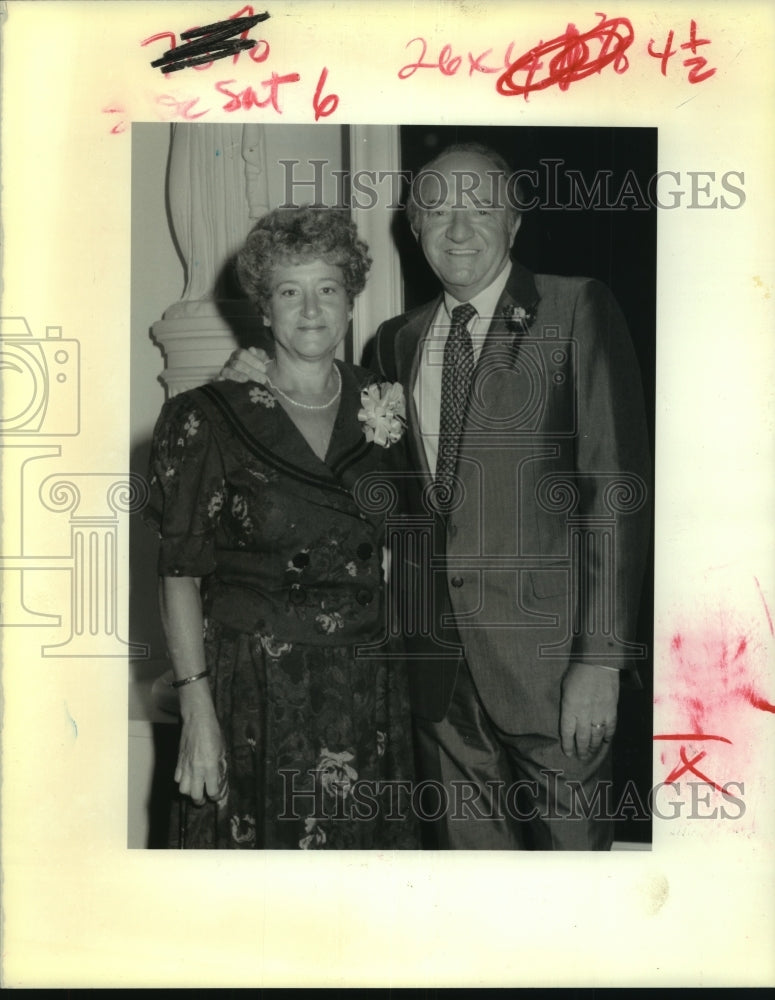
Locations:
{"points": [[486, 301]]}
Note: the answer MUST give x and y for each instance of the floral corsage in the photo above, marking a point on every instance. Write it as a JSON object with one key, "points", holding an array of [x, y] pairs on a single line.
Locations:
{"points": [[518, 319], [383, 412]]}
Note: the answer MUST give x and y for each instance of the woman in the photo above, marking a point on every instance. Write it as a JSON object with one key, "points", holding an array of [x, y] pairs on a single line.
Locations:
{"points": [[271, 573]]}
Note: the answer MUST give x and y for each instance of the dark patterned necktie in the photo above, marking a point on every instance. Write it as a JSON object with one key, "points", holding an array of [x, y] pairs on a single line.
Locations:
{"points": [[456, 373]]}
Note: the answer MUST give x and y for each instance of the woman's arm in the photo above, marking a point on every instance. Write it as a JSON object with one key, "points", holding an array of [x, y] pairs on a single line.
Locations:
{"points": [[201, 767]]}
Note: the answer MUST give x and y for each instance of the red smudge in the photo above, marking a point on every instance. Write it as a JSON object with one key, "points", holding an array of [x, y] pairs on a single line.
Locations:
{"points": [[766, 609], [712, 672], [696, 710], [718, 671], [716, 676]]}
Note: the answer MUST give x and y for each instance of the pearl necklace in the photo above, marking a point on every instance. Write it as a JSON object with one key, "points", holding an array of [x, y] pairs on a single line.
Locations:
{"points": [[312, 406]]}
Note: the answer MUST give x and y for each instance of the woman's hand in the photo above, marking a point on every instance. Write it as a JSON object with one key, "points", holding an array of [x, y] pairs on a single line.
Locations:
{"points": [[245, 366], [201, 770]]}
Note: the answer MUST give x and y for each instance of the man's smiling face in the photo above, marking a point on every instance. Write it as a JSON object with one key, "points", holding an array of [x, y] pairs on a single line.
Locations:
{"points": [[465, 225]]}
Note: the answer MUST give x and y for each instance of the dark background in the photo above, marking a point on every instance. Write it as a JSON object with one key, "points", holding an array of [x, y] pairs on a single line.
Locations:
{"points": [[618, 246]]}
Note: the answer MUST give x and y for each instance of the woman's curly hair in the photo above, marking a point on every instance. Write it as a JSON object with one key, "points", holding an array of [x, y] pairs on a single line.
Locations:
{"points": [[298, 236]]}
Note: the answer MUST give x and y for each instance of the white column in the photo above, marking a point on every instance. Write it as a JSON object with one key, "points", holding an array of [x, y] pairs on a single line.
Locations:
{"points": [[376, 148], [217, 188]]}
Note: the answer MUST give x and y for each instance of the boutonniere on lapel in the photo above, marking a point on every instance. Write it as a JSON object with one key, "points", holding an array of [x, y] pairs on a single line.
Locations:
{"points": [[383, 412], [518, 319]]}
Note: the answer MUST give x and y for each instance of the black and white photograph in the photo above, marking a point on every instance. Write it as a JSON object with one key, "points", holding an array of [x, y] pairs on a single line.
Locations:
{"points": [[491, 689]]}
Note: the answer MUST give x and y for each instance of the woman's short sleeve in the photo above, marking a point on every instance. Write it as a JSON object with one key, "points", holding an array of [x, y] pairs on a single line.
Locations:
{"points": [[187, 488]]}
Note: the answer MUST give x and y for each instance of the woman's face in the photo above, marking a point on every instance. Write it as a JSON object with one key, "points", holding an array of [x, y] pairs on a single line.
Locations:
{"points": [[308, 310]]}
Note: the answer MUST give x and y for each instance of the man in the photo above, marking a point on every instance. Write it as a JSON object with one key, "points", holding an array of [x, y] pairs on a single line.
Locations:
{"points": [[526, 434]]}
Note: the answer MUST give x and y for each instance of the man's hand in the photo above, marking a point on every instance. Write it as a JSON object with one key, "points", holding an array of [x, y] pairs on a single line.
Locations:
{"points": [[245, 366], [588, 709]]}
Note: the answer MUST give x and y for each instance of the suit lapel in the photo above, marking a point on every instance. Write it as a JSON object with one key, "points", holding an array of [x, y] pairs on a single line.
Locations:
{"points": [[496, 361], [408, 352], [520, 292]]}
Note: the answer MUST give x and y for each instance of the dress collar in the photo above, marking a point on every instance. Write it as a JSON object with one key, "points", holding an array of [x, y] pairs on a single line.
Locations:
{"points": [[252, 414]]}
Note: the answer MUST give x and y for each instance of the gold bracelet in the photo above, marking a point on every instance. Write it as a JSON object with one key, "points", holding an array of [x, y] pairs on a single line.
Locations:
{"points": [[189, 680]]}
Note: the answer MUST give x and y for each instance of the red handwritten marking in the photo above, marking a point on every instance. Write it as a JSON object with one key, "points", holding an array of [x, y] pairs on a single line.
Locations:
{"points": [[203, 45], [328, 105], [695, 76], [697, 63], [219, 40], [247, 98], [571, 58], [171, 41], [758, 702], [476, 65], [572, 61], [183, 108], [689, 736], [764, 602], [116, 110], [260, 52], [448, 63], [665, 54], [215, 39], [688, 765]]}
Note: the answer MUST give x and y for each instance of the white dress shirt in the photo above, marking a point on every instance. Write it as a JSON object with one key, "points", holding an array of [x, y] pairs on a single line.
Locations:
{"points": [[427, 389]]}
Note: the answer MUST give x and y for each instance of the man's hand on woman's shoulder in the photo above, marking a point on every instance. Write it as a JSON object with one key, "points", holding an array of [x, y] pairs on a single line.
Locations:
{"points": [[245, 365]]}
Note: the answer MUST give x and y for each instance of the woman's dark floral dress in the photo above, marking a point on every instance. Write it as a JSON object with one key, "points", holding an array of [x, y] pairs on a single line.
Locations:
{"points": [[318, 740]]}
